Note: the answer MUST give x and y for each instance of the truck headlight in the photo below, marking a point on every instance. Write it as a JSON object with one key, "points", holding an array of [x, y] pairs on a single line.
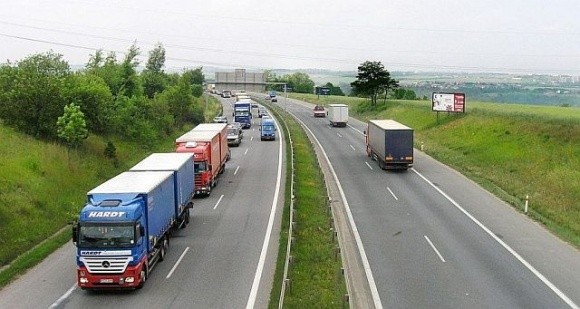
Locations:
{"points": [[84, 280], [130, 279]]}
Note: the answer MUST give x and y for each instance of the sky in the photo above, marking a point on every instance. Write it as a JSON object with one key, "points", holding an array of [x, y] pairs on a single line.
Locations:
{"points": [[509, 36]]}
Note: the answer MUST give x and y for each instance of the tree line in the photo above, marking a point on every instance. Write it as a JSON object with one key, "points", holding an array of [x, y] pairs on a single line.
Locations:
{"points": [[372, 81], [41, 96]]}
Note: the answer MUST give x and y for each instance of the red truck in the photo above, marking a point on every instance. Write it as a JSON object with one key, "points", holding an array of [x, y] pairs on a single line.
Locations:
{"points": [[210, 151]]}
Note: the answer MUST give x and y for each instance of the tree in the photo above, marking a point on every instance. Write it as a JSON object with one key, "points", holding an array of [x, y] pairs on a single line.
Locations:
{"points": [[334, 90], [372, 80], [32, 93], [195, 76], [91, 94], [154, 78], [300, 82], [71, 126], [129, 80]]}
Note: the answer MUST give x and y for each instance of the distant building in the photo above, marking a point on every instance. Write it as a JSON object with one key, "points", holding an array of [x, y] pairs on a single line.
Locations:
{"points": [[240, 80]]}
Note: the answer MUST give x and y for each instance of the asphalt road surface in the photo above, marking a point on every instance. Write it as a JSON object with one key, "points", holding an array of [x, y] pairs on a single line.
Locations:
{"points": [[434, 239]]}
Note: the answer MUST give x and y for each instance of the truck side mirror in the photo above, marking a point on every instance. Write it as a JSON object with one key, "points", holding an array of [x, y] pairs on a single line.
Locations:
{"points": [[75, 233], [365, 132], [141, 230]]}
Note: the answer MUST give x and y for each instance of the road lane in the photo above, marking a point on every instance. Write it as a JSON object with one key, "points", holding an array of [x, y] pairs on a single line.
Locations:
{"points": [[477, 280]]}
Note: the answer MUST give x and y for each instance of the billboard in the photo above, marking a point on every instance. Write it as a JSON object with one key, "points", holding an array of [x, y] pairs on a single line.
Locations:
{"points": [[448, 102]]}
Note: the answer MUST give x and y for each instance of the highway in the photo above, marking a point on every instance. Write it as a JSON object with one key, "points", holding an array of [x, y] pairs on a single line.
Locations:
{"points": [[434, 239], [225, 258]]}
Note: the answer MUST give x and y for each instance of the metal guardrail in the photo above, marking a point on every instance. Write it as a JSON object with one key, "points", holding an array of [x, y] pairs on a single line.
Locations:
{"points": [[285, 280]]}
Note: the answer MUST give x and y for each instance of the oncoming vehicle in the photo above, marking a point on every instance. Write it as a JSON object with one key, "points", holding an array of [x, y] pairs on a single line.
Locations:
{"points": [[319, 111]]}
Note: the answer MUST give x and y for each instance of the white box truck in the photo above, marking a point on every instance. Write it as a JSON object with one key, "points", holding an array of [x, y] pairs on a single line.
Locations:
{"points": [[338, 115]]}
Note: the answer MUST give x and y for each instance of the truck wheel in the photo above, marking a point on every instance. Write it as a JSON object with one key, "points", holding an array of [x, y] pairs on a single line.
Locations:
{"points": [[143, 278], [164, 248], [381, 164], [186, 217]]}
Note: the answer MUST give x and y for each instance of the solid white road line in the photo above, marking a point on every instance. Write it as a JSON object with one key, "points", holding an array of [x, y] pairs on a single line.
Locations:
{"points": [[218, 202], [177, 263], [262, 261], [368, 165], [503, 244], [361, 249], [393, 194], [236, 171], [434, 249], [61, 299]]}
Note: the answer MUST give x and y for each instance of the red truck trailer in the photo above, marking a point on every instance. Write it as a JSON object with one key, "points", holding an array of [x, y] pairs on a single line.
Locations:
{"points": [[209, 156], [222, 129]]}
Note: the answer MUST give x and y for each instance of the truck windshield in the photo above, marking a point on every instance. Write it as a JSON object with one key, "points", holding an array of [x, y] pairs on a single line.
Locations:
{"points": [[107, 235], [242, 113], [199, 167]]}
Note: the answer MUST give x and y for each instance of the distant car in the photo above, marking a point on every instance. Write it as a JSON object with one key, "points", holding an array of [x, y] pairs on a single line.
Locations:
{"points": [[274, 99], [254, 104], [319, 111], [220, 119]]}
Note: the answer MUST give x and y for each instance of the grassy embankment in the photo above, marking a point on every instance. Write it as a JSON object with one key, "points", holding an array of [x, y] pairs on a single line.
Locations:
{"points": [[511, 150], [43, 187], [316, 280]]}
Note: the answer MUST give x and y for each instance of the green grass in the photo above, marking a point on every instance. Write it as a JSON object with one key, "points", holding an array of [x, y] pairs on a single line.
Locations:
{"points": [[511, 150], [316, 280]]}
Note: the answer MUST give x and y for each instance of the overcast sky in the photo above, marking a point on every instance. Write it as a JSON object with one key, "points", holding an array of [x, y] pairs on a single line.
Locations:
{"points": [[515, 36]]}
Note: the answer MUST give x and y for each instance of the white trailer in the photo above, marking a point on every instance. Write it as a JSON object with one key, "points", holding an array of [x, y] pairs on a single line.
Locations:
{"points": [[338, 115]]}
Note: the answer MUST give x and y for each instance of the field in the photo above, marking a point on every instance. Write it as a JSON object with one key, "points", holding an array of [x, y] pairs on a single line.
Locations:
{"points": [[512, 150]]}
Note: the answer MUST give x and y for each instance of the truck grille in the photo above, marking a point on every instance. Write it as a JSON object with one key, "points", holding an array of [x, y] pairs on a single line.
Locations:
{"points": [[108, 265]]}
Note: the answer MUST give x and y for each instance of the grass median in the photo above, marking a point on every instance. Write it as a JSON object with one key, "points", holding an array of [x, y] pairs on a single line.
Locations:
{"points": [[316, 279]]}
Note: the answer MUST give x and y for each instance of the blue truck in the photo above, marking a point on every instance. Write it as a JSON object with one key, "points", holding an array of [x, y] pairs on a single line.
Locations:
{"points": [[123, 230], [243, 113], [181, 164], [267, 129]]}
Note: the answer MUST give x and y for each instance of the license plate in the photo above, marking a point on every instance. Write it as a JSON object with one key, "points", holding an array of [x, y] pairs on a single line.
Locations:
{"points": [[106, 281]]}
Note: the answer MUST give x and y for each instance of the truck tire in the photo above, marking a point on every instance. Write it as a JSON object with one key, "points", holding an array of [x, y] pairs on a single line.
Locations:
{"points": [[381, 163], [143, 277], [164, 248], [186, 219]]}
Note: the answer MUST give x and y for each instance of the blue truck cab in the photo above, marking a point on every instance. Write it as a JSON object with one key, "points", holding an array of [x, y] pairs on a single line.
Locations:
{"points": [[123, 229], [267, 129], [243, 113]]}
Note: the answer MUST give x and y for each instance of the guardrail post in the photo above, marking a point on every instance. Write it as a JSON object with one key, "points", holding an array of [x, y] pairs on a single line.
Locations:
{"points": [[526, 204]]}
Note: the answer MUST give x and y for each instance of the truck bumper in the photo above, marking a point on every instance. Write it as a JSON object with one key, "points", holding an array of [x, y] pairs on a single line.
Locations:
{"points": [[130, 279]]}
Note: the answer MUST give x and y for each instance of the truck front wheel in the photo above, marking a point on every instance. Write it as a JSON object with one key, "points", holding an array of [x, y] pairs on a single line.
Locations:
{"points": [[143, 277]]}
